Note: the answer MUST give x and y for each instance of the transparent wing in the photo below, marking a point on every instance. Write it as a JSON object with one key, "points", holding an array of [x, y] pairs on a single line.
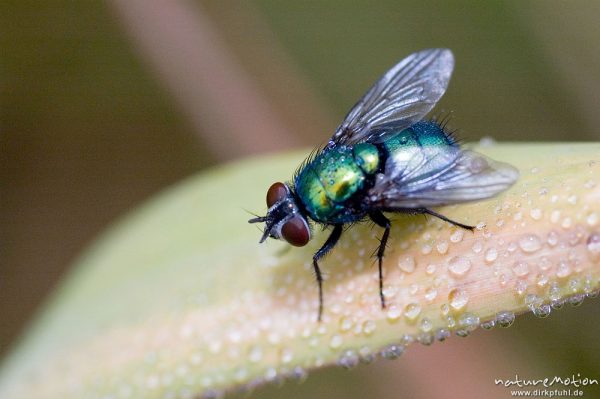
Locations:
{"points": [[440, 175], [404, 95]]}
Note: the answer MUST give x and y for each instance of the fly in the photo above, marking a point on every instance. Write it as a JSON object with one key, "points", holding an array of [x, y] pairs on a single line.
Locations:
{"points": [[384, 158]]}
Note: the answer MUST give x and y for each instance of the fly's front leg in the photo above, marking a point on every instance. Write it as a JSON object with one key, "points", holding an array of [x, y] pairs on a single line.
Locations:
{"points": [[384, 222], [328, 246]]}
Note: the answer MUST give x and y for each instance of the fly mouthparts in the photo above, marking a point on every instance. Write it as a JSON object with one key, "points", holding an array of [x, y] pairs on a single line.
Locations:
{"points": [[264, 236], [259, 219]]}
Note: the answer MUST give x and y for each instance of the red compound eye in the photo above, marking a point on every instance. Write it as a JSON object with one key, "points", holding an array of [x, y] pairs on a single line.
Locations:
{"points": [[296, 232], [277, 191]]}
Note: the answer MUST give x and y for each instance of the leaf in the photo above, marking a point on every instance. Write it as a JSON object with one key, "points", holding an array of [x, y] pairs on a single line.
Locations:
{"points": [[179, 298]]}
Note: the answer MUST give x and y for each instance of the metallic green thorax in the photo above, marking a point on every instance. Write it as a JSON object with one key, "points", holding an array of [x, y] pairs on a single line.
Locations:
{"points": [[329, 185], [328, 181]]}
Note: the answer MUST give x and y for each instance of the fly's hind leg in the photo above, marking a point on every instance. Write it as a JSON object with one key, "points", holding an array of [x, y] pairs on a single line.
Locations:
{"points": [[445, 219], [384, 222], [328, 246]]}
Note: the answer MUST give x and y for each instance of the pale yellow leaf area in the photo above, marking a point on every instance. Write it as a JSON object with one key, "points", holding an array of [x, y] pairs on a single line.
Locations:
{"points": [[180, 300]]}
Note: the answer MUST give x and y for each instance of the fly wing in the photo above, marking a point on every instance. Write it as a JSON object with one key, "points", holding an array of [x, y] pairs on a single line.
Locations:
{"points": [[439, 175], [404, 95]]}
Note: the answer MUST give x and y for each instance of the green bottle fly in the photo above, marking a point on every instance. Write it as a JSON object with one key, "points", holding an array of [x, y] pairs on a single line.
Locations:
{"points": [[384, 158]]}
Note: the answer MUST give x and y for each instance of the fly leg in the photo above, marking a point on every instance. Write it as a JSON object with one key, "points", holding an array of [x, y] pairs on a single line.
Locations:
{"points": [[328, 246], [384, 222], [445, 219]]}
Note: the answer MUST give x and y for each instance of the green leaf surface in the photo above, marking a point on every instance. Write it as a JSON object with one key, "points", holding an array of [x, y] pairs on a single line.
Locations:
{"points": [[179, 299]]}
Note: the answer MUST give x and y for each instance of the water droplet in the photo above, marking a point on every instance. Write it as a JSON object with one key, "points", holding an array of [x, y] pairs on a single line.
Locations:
{"points": [[392, 351], [450, 322], [572, 199], [255, 355], [366, 354], [442, 334], [240, 374], [426, 324], [286, 355], [412, 311], [530, 243], [346, 323], [458, 299], [393, 313], [407, 339], [555, 216], [576, 300], [552, 238], [587, 286], [491, 255], [299, 374], [468, 321], [541, 280], [563, 269], [544, 263], [426, 249], [413, 289], [520, 287], [445, 309], [425, 339], [502, 279], [442, 247], [575, 237], [459, 266], [556, 303], [593, 245], [574, 284], [542, 311], [406, 264], [592, 219], [536, 213], [390, 291], [518, 216], [335, 342], [368, 327], [532, 301], [430, 294], [349, 359], [505, 319], [488, 325], [521, 269], [430, 269], [271, 374], [477, 247], [593, 293], [457, 236], [554, 292]]}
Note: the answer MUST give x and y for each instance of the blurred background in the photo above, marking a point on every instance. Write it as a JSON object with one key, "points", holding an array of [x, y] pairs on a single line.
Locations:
{"points": [[104, 104]]}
